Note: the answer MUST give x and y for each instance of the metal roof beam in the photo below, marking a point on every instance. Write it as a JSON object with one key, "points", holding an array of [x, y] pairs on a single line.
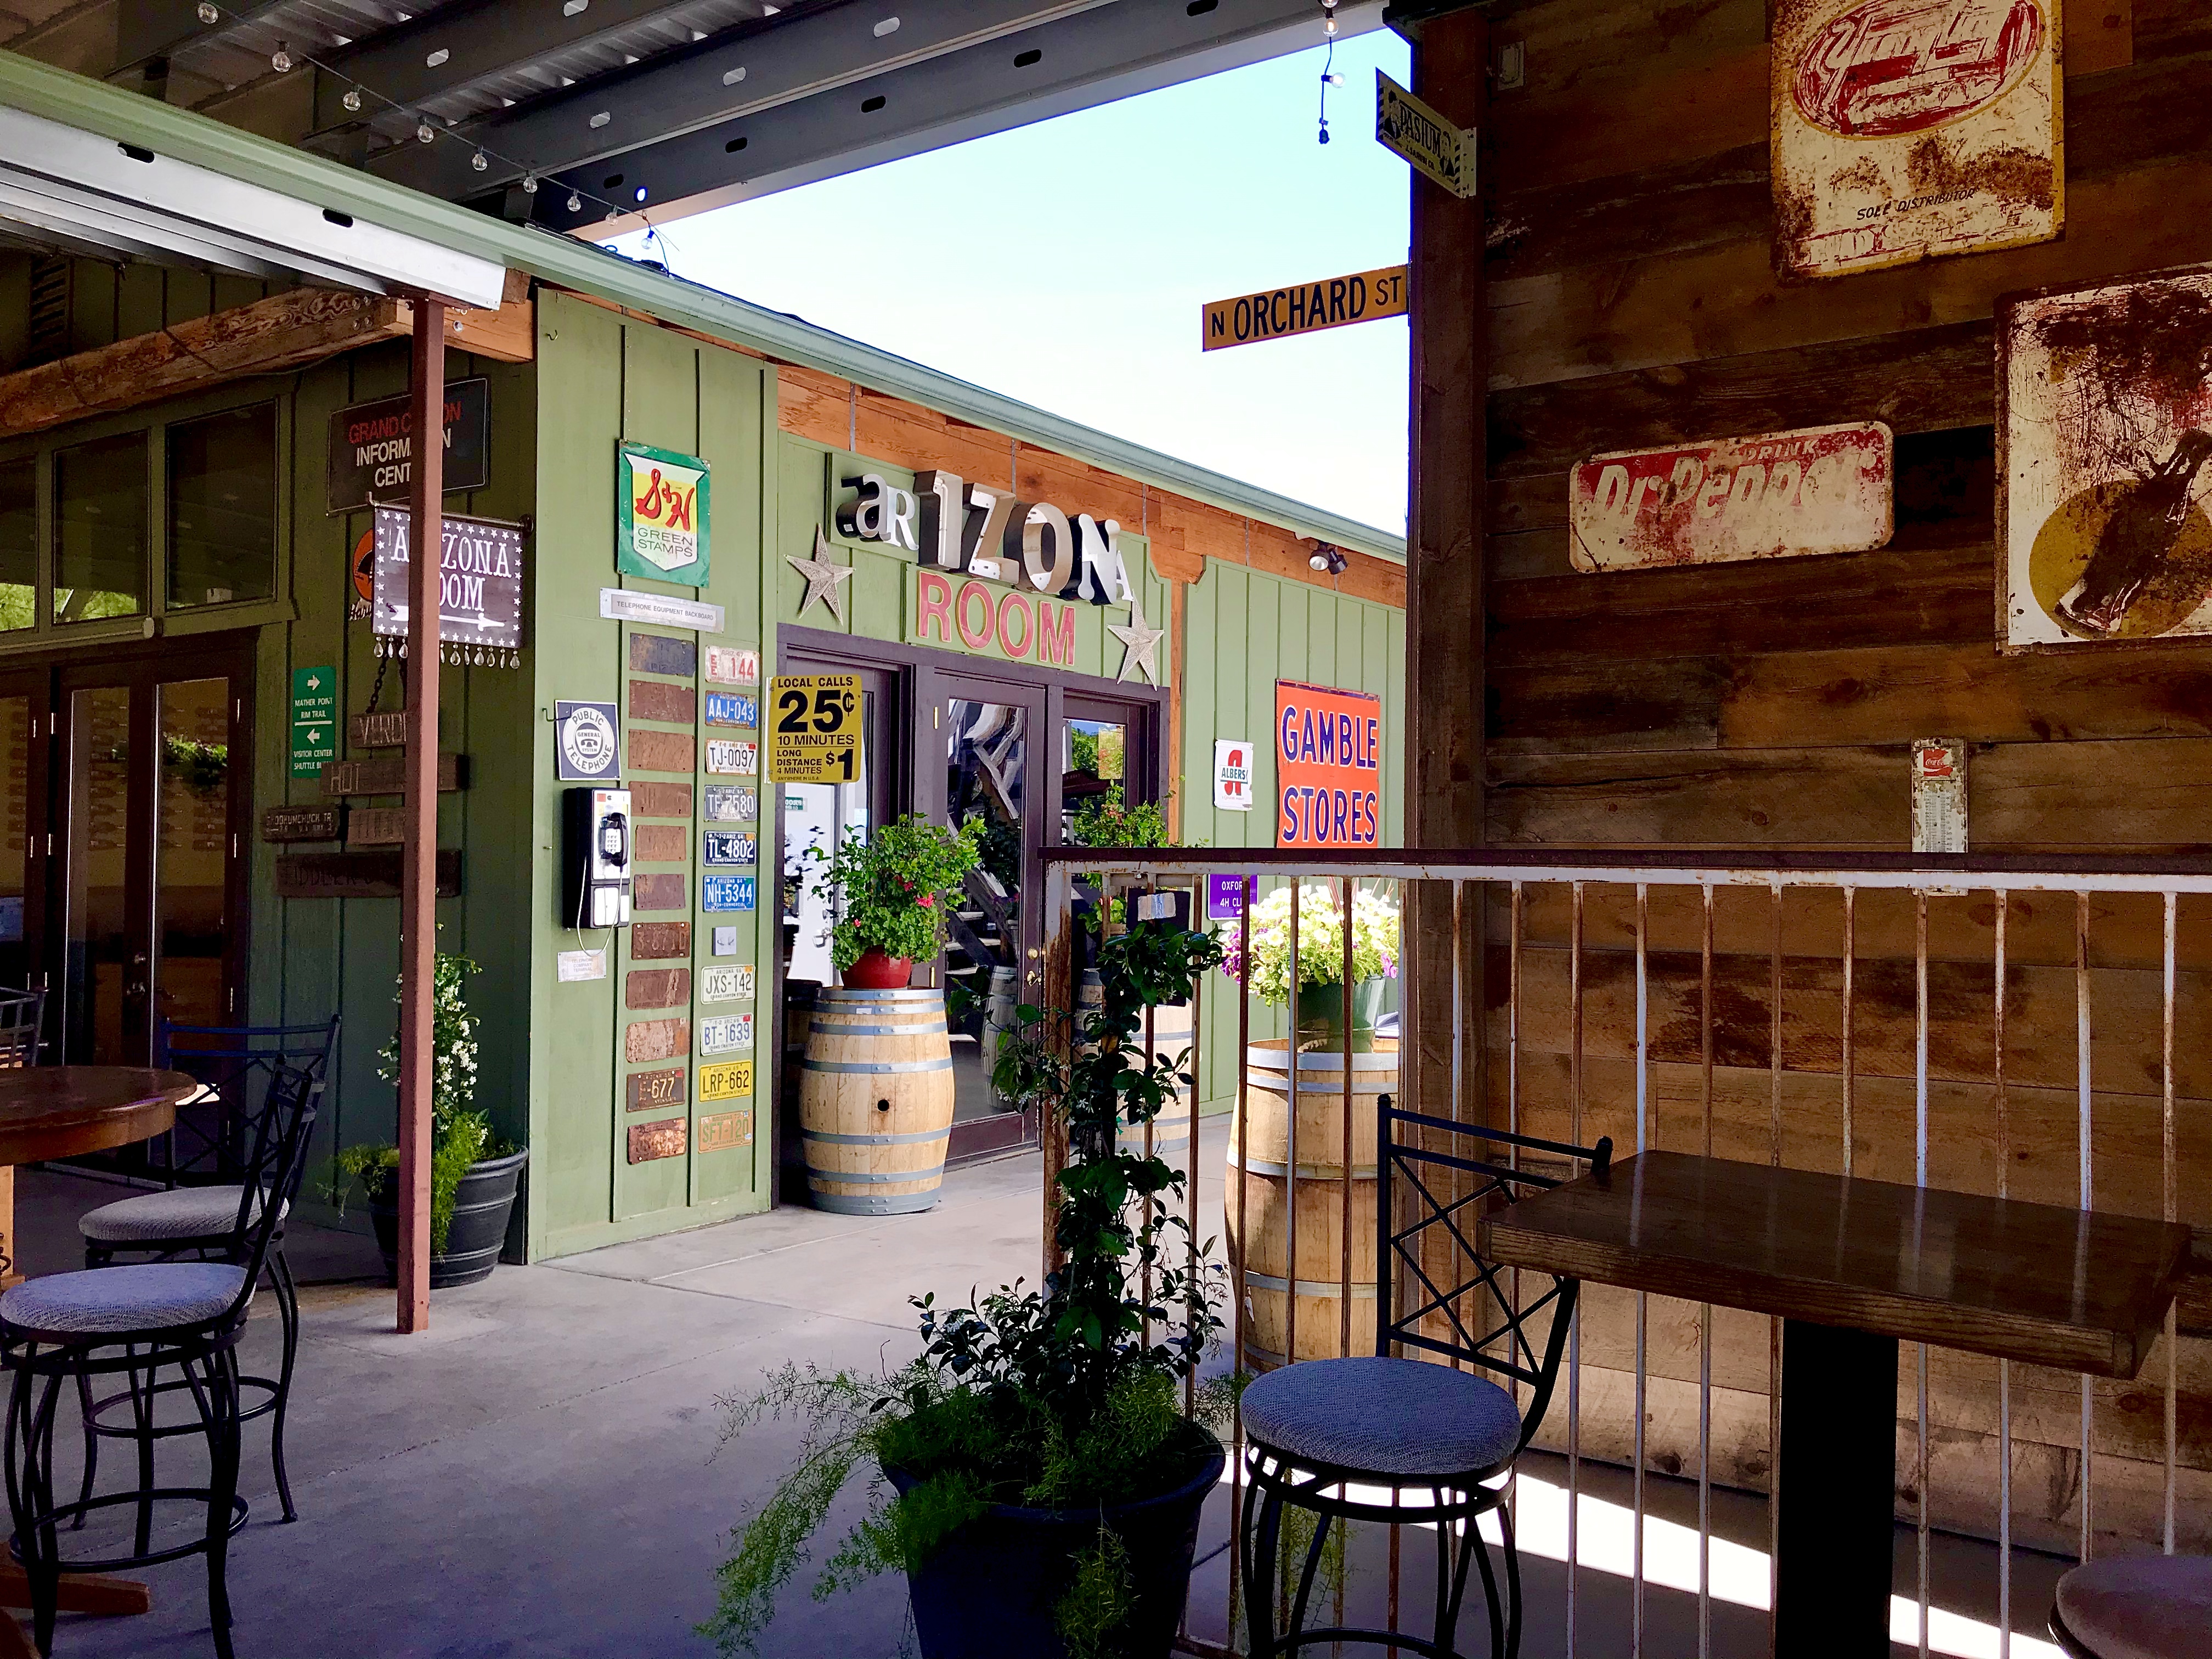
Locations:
{"points": [[1073, 62], [741, 71]]}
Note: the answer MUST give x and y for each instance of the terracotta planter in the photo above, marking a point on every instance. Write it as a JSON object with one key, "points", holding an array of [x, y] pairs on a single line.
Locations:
{"points": [[875, 971]]}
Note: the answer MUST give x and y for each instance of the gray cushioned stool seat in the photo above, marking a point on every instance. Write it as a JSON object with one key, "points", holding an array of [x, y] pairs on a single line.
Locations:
{"points": [[181, 1213], [1397, 1416], [2140, 1606], [155, 1296]]}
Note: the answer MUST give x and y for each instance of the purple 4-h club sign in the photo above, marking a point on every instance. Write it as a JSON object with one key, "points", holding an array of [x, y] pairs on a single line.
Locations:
{"points": [[1225, 896]]}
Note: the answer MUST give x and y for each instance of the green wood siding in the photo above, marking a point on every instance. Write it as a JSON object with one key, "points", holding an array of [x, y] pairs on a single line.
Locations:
{"points": [[1245, 630]]}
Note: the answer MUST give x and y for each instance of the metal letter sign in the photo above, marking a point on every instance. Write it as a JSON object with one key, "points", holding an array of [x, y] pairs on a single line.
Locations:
{"points": [[1417, 134], [732, 984], [732, 803], [1304, 308], [727, 708], [725, 1034], [584, 747], [314, 719], [727, 892], [814, 733], [661, 516], [1328, 766]]}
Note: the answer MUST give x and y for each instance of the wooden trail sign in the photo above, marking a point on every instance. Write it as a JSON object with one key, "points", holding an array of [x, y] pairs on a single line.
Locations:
{"points": [[1302, 308]]}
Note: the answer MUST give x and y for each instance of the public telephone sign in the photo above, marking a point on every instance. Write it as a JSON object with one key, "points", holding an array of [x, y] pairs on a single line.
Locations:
{"points": [[1328, 766], [814, 728]]}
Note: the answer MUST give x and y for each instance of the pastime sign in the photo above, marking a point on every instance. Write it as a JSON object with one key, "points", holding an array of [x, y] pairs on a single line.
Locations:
{"points": [[1419, 136], [1823, 489], [1363, 297], [1328, 766]]}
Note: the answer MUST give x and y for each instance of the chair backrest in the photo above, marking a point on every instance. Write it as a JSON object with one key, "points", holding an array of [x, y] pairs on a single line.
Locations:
{"points": [[1436, 1178], [22, 1015], [276, 1164], [236, 1066]]}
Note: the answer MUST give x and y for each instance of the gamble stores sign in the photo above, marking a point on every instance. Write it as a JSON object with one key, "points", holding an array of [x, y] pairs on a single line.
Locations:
{"points": [[1328, 766]]}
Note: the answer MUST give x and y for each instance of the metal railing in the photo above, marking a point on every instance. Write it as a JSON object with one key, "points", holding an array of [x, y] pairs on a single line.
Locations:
{"points": [[1574, 933]]}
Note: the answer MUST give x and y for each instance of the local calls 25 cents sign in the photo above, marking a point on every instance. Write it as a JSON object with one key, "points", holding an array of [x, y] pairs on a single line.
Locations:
{"points": [[1328, 766]]}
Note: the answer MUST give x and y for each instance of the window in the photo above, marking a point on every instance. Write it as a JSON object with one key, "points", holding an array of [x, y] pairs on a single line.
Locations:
{"points": [[19, 544], [222, 508], [99, 529]]}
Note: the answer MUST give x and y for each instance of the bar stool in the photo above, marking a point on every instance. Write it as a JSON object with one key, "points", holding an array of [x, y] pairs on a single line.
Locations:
{"points": [[2136, 1607], [202, 1222], [147, 1316], [1438, 1441]]}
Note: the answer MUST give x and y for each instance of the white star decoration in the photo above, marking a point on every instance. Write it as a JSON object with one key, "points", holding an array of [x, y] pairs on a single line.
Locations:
{"points": [[1143, 644], [824, 575]]}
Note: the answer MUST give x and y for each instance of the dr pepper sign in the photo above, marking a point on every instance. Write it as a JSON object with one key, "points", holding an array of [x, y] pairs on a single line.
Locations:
{"points": [[1328, 766]]}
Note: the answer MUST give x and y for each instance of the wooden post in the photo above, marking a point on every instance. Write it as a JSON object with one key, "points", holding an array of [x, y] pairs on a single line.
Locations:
{"points": [[418, 881], [1444, 595]]}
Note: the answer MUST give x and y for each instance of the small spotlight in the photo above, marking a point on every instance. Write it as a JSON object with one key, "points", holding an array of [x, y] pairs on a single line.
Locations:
{"points": [[639, 195], [1329, 559]]}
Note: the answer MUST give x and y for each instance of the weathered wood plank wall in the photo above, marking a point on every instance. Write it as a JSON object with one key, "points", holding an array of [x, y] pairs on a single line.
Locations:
{"points": [[1633, 300]]}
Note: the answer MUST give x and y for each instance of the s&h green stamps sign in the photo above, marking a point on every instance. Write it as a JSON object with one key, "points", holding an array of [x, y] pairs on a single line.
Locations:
{"points": [[661, 516]]}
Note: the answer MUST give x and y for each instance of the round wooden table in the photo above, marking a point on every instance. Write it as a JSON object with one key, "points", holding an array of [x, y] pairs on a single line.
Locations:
{"points": [[63, 1111]]}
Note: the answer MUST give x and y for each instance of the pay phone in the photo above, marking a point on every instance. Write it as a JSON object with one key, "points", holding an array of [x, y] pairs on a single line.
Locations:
{"points": [[595, 892]]}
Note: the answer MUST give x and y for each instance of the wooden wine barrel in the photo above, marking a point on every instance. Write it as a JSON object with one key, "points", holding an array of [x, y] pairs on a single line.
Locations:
{"points": [[999, 1021], [1262, 1177], [875, 1100], [1171, 1031]]}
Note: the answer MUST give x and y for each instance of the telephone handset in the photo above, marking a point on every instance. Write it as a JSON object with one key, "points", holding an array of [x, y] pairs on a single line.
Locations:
{"points": [[595, 854]]}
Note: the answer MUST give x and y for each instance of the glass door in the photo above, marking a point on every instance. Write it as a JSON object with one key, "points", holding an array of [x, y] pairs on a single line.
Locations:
{"points": [[26, 726], [148, 818]]}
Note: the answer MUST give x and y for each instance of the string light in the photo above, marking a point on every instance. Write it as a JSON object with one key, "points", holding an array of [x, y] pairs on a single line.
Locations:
{"points": [[1328, 77], [282, 61]]}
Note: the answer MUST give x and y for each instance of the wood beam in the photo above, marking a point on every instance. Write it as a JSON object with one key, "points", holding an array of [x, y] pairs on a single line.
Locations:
{"points": [[285, 330], [1444, 598], [418, 880]]}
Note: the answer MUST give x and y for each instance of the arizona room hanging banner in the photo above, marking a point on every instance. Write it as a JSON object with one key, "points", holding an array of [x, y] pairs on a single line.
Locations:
{"points": [[1328, 766], [1907, 129]]}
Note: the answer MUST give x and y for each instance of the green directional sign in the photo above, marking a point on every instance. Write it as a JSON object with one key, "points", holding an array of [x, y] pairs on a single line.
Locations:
{"points": [[314, 719]]}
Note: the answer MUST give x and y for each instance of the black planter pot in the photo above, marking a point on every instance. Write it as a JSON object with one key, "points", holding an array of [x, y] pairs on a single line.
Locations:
{"points": [[481, 1207], [989, 1591]]}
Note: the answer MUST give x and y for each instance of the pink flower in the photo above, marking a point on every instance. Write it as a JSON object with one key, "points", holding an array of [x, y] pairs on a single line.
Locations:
{"points": [[927, 901]]}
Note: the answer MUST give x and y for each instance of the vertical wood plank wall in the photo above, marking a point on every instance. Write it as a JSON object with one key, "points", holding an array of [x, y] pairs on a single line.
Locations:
{"points": [[1632, 300]]}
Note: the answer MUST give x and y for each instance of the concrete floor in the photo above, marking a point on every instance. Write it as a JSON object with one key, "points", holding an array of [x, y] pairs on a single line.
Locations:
{"points": [[538, 1475]]}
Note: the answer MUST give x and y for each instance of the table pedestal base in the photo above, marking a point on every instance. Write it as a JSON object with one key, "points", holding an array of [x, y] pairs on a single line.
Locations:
{"points": [[1836, 1483], [80, 1592]]}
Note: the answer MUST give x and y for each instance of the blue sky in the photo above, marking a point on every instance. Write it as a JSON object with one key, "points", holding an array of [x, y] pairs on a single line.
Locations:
{"points": [[1065, 264]]}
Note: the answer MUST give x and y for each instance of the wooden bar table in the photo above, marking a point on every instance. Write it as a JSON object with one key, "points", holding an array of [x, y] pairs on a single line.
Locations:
{"points": [[1851, 1268], [65, 1111]]}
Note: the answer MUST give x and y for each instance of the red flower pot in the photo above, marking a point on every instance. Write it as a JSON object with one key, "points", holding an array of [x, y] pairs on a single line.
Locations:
{"points": [[875, 971]]}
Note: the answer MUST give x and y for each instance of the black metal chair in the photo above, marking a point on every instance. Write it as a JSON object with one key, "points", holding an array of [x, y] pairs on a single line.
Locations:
{"points": [[148, 1317], [22, 1016], [243, 1065], [1442, 1437]]}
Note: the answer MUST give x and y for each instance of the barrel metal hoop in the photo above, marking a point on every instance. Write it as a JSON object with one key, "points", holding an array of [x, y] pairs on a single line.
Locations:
{"points": [[1328, 1172], [1309, 1286], [820, 1029], [836, 994], [875, 1067], [915, 1140], [875, 1177]]}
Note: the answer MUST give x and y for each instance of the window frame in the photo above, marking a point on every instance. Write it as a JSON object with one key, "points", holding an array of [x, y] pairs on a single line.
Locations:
{"points": [[158, 617]]}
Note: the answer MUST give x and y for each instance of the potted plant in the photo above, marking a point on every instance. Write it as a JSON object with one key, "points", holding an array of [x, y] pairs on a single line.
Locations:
{"points": [[1323, 1001], [472, 1178], [1030, 1471], [894, 888]]}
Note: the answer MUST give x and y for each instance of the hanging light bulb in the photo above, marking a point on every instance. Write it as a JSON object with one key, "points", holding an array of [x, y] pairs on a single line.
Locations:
{"points": [[425, 131], [529, 185], [576, 203], [352, 99], [281, 59], [478, 162], [209, 14]]}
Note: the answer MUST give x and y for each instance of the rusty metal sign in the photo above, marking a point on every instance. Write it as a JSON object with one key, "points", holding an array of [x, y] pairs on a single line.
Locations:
{"points": [[2104, 429], [663, 1138], [647, 1090], [1821, 489], [721, 1131], [1939, 795], [1903, 130]]}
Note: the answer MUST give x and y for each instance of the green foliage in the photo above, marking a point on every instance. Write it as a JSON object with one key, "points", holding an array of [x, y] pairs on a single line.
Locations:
{"points": [[1106, 820], [460, 1137], [1056, 1397], [205, 767], [895, 885]]}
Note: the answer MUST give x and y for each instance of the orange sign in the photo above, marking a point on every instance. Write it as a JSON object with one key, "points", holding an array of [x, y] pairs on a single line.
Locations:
{"points": [[1328, 766]]}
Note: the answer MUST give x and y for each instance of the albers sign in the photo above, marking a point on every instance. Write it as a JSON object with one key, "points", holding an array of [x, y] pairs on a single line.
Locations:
{"points": [[372, 448]]}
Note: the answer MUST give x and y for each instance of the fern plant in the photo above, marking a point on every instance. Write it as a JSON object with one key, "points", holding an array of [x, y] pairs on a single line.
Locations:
{"points": [[1062, 1397]]}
